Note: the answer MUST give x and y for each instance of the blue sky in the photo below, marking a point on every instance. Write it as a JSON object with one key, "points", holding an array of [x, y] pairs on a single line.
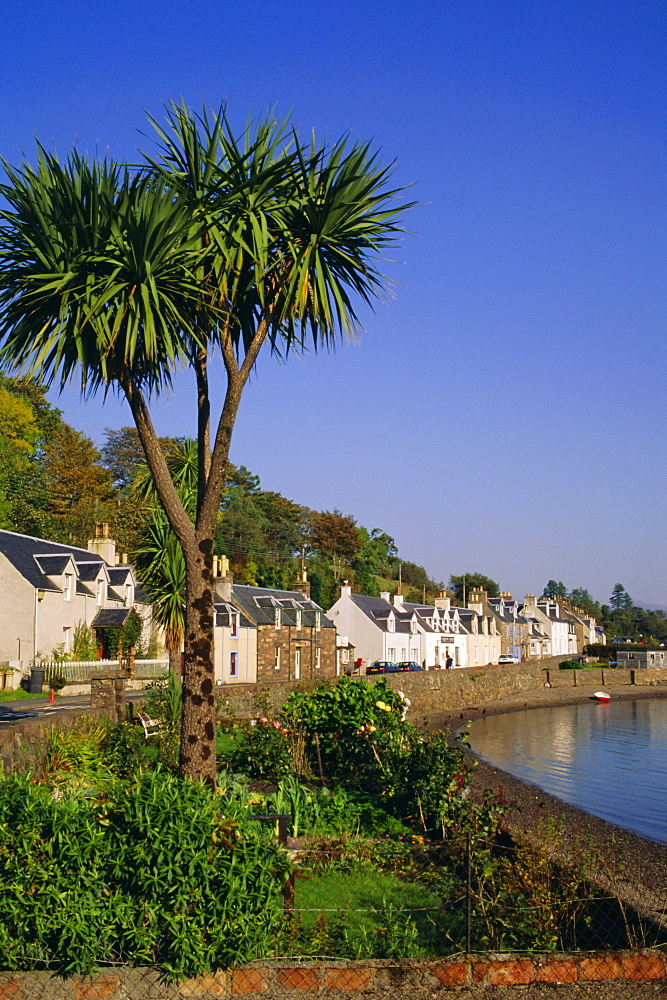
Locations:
{"points": [[505, 411]]}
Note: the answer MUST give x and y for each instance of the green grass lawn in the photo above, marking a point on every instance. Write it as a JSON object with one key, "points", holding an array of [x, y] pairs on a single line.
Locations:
{"points": [[366, 913], [18, 695]]}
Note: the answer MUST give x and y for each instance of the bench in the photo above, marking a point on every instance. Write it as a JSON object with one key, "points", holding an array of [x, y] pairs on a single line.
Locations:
{"points": [[152, 727]]}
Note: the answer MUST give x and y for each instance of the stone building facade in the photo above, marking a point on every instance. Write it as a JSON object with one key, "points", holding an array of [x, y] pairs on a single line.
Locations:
{"points": [[294, 639]]}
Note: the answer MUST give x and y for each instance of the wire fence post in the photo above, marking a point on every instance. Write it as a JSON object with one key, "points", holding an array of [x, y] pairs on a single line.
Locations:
{"points": [[468, 891]]}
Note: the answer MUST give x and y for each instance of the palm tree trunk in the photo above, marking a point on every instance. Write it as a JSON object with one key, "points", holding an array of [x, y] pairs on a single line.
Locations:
{"points": [[197, 758]]}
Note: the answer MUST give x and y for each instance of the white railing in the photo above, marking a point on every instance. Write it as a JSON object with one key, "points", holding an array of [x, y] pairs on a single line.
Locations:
{"points": [[79, 671]]}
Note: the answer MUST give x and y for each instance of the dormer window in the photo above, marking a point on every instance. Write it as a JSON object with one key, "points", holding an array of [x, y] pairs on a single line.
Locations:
{"points": [[277, 620], [233, 624], [129, 595], [67, 589], [100, 591], [391, 624], [413, 627], [299, 617], [318, 621]]}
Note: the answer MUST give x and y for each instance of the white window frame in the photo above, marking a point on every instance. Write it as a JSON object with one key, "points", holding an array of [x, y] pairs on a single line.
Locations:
{"points": [[318, 657], [233, 663], [67, 589], [277, 658]]}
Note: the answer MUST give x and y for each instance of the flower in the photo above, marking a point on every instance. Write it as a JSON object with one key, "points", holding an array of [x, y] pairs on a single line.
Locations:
{"points": [[276, 725], [383, 706]]}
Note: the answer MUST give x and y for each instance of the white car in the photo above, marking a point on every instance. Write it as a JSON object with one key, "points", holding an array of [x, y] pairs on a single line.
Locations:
{"points": [[506, 658]]}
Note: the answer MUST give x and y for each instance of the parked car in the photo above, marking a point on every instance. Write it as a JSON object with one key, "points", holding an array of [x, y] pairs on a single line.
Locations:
{"points": [[506, 658], [381, 667], [409, 665]]}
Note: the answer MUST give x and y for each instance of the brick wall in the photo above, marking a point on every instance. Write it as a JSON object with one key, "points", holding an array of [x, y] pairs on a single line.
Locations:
{"points": [[627, 975]]}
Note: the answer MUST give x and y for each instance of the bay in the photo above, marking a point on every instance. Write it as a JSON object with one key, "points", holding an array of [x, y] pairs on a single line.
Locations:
{"points": [[609, 760]]}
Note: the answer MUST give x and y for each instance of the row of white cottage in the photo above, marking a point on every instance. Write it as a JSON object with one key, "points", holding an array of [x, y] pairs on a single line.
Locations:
{"points": [[380, 628]]}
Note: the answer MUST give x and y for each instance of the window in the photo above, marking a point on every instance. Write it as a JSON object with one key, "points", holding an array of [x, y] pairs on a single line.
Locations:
{"points": [[277, 658], [318, 621], [476, 654], [391, 624], [233, 664], [277, 619], [297, 664], [318, 657], [67, 590], [299, 616], [403, 655], [233, 624], [413, 655], [129, 595], [67, 639], [391, 655], [100, 591]]}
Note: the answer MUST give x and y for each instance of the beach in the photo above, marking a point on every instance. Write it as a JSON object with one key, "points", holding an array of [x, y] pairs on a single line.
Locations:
{"points": [[633, 868]]}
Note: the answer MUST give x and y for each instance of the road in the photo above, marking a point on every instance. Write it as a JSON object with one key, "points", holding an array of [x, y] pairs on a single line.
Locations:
{"points": [[16, 711]]}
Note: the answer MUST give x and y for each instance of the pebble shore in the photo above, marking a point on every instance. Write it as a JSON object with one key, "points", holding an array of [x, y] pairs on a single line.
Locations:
{"points": [[631, 867]]}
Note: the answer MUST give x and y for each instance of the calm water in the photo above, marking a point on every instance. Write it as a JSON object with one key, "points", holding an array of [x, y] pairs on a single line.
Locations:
{"points": [[609, 760]]}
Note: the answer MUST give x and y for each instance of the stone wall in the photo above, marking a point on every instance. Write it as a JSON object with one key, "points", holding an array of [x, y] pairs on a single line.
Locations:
{"points": [[628, 975], [288, 638], [445, 690], [23, 744]]}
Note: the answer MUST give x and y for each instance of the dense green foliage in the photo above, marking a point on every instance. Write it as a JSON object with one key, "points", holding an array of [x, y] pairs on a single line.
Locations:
{"points": [[618, 618], [156, 870]]}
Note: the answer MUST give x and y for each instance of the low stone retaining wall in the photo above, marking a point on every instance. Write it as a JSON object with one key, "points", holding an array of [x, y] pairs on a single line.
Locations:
{"points": [[628, 975], [23, 743], [435, 691]]}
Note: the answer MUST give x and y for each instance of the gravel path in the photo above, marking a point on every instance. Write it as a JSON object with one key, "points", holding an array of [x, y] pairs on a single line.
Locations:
{"points": [[633, 868]]}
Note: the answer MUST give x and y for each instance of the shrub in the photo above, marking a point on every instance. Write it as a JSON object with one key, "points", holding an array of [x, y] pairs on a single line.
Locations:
{"points": [[158, 870], [262, 750], [570, 665]]}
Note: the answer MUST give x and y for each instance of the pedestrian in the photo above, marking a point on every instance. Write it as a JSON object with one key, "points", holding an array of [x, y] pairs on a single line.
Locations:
{"points": [[448, 662]]}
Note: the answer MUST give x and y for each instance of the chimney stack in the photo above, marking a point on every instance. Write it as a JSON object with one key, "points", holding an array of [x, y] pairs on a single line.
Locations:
{"points": [[102, 545], [302, 585]]}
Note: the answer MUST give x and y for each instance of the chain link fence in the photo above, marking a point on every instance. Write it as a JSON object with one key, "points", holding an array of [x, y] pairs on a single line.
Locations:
{"points": [[368, 917]]}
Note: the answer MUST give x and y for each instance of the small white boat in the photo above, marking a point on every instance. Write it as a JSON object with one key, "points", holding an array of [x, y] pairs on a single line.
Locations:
{"points": [[602, 696]]}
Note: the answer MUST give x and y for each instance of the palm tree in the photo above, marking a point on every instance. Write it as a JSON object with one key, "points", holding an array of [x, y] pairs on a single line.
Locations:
{"points": [[159, 557], [219, 243]]}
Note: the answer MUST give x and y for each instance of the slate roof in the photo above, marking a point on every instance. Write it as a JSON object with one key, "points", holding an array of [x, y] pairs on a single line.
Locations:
{"points": [[36, 559], [223, 613], [108, 617], [379, 610], [259, 604], [90, 570], [53, 564], [24, 551]]}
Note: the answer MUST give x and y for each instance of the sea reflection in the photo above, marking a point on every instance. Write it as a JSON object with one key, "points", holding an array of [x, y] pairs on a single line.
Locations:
{"points": [[608, 759]]}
